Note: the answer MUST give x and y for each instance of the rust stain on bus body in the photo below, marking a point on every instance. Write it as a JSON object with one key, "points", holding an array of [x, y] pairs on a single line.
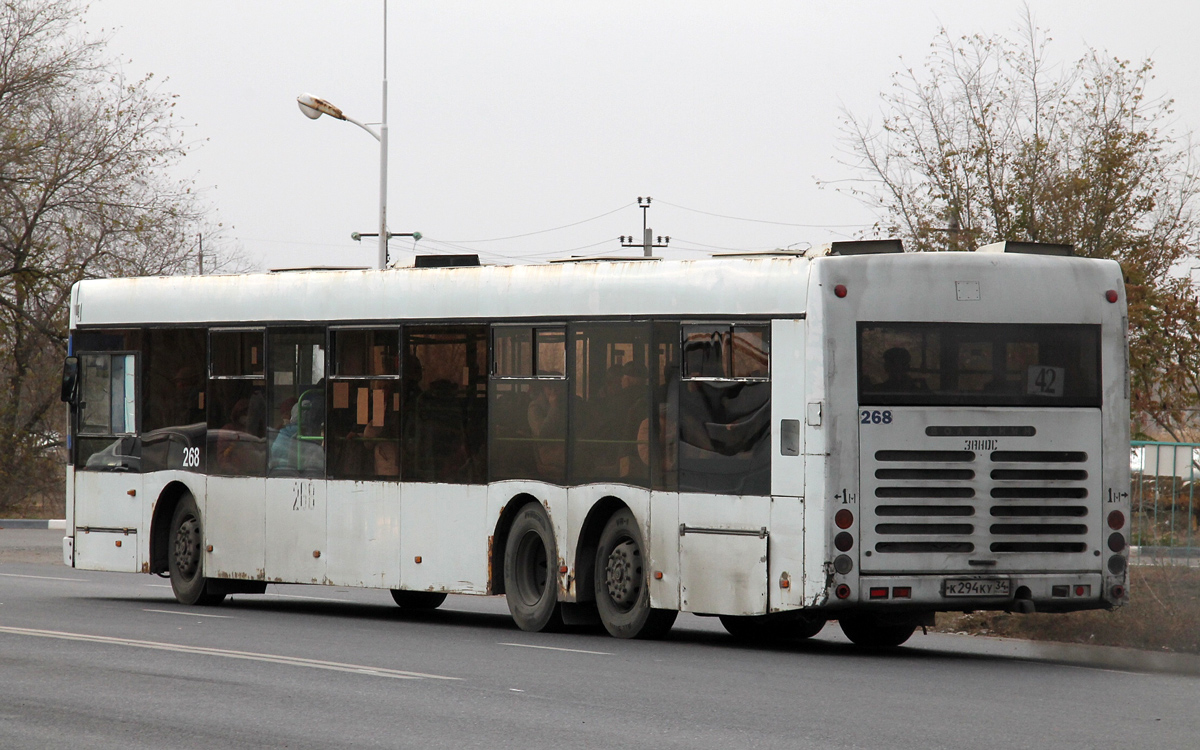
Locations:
{"points": [[490, 590]]}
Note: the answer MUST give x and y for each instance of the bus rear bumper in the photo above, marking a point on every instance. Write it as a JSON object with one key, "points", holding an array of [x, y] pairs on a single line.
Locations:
{"points": [[1018, 592]]}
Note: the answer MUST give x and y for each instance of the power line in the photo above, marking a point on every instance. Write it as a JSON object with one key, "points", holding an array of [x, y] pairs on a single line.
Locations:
{"points": [[543, 231], [764, 221]]}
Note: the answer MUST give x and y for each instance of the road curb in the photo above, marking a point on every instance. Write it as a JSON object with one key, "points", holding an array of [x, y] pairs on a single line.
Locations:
{"points": [[33, 523]]}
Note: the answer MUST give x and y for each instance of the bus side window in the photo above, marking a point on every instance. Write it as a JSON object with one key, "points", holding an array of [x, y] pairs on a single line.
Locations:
{"points": [[173, 416], [528, 403], [444, 418], [237, 403], [611, 403], [724, 403], [296, 387], [366, 396], [107, 424]]}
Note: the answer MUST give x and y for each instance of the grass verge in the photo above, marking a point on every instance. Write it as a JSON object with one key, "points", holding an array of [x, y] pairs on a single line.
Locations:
{"points": [[1163, 614]]}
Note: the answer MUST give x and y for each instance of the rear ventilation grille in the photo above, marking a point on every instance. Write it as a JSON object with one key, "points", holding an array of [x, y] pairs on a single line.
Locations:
{"points": [[935, 475], [923, 497]]}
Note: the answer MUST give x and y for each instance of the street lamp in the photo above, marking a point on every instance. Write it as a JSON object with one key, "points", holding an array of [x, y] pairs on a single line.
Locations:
{"points": [[314, 106]]}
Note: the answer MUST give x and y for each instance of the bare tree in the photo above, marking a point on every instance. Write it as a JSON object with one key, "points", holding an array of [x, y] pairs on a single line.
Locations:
{"points": [[86, 190], [989, 141]]}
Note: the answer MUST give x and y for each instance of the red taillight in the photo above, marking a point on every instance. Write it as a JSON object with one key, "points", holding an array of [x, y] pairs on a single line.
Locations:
{"points": [[1116, 519], [1111, 295], [840, 290], [844, 519], [843, 541], [902, 592], [842, 591], [879, 593], [1080, 590], [1118, 592]]}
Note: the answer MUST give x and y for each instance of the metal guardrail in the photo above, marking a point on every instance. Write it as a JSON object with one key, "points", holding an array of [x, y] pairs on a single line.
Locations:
{"points": [[1165, 501]]}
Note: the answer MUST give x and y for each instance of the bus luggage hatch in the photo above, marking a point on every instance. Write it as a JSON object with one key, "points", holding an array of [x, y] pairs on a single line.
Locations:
{"points": [[723, 571]]}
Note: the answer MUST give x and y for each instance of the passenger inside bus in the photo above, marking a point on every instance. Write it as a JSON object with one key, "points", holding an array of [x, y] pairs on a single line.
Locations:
{"points": [[897, 362], [548, 426]]}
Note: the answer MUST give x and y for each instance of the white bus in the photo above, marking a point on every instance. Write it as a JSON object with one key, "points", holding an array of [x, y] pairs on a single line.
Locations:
{"points": [[858, 434]]}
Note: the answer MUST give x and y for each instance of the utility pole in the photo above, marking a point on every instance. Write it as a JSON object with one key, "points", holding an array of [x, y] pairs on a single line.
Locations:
{"points": [[648, 241], [200, 255]]}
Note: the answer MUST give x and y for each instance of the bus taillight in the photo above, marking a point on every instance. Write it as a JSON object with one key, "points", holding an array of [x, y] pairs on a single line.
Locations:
{"points": [[1111, 295], [840, 290], [842, 591], [1116, 520], [845, 519]]}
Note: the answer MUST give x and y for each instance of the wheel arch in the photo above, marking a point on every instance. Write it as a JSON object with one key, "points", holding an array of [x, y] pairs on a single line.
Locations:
{"points": [[589, 541], [160, 523], [499, 540]]}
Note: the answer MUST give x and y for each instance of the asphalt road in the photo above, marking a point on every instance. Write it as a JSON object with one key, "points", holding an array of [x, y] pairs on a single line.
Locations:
{"points": [[98, 660]]}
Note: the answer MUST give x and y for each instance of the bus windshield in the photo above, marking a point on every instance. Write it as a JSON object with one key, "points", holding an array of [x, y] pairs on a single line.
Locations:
{"points": [[978, 364]]}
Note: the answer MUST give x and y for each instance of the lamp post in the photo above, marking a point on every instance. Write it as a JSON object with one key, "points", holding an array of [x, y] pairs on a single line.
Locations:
{"points": [[314, 106]]}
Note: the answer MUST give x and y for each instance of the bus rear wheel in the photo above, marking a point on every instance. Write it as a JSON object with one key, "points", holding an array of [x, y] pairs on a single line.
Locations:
{"points": [[621, 582], [873, 634], [418, 599], [530, 571], [777, 627], [185, 560]]}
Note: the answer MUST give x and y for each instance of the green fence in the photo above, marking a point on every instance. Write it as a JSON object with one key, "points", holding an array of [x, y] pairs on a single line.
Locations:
{"points": [[1165, 506]]}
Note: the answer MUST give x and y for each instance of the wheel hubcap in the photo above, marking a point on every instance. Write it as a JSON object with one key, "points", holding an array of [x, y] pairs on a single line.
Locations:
{"points": [[187, 548], [623, 574]]}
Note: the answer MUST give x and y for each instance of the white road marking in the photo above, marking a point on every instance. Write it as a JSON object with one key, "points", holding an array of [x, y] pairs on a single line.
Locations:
{"points": [[281, 596], [45, 578], [314, 598], [293, 661], [186, 614], [554, 648]]}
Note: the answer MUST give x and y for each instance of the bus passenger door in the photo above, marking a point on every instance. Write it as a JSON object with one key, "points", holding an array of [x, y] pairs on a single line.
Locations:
{"points": [[786, 553], [108, 479]]}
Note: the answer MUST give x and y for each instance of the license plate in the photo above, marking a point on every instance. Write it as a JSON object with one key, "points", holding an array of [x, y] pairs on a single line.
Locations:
{"points": [[977, 587]]}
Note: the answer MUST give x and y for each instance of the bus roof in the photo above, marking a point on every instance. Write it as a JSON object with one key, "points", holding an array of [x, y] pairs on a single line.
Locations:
{"points": [[752, 286]]}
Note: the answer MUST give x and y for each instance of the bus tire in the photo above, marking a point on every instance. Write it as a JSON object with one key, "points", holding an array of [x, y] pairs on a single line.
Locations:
{"points": [[531, 571], [872, 634], [185, 559], [418, 599], [777, 627], [621, 582]]}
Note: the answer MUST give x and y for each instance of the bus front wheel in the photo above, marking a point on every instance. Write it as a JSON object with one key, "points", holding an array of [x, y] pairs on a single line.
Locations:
{"points": [[869, 633], [186, 558], [531, 571], [621, 582], [418, 599]]}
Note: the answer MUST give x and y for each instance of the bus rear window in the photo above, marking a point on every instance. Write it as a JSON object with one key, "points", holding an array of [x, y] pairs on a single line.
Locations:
{"points": [[978, 364]]}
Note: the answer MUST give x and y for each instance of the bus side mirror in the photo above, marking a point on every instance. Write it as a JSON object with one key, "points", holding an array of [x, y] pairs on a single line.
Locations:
{"points": [[70, 380]]}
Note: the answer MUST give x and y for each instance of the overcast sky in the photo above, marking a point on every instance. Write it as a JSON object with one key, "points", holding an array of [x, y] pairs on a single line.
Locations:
{"points": [[512, 117]]}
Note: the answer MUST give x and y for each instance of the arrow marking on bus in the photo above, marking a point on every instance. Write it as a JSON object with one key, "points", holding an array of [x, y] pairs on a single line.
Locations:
{"points": [[294, 661], [554, 648]]}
